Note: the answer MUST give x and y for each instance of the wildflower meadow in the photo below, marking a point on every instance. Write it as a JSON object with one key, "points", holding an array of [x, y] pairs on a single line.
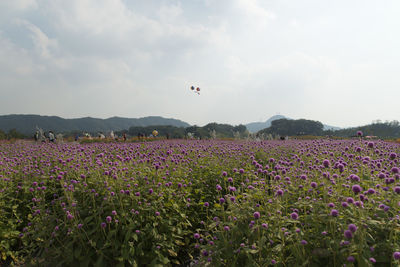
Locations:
{"points": [[200, 203]]}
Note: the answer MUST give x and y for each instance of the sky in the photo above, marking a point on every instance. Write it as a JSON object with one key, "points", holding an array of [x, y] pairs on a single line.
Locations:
{"points": [[337, 62]]}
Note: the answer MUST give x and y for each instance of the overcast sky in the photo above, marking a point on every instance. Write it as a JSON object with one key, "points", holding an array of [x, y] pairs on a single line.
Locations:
{"points": [[333, 61]]}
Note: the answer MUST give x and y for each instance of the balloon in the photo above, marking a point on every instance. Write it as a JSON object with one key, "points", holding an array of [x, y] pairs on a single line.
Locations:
{"points": [[195, 89], [155, 133]]}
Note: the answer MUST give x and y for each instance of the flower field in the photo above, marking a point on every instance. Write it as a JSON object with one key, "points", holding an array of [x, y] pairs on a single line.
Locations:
{"points": [[197, 203]]}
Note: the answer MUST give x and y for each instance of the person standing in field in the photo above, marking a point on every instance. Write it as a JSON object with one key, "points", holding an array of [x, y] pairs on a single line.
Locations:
{"points": [[51, 137]]}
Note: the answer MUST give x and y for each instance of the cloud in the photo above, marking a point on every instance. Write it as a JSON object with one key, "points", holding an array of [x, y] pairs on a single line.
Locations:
{"points": [[43, 44], [251, 58]]}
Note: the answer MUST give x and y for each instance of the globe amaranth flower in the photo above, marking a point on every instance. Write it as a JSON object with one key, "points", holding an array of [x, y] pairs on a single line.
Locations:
{"points": [[196, 235], [256, 215], [294, 216], [334, 213], [356, 188], [350, 259], [352, 227], [396, 255], [348, 234], [326, 163], [397, 189]]}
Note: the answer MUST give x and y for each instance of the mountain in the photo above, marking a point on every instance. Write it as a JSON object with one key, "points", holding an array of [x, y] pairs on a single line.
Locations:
{"points": [[332, 128], [26, 124], [254, 127]]}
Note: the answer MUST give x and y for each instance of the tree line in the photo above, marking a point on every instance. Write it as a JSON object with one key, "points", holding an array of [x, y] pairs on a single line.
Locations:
{"points": [[281, 127]]}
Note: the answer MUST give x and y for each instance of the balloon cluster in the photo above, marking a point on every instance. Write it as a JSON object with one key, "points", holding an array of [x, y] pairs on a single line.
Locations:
{"points": [[196, 90]]}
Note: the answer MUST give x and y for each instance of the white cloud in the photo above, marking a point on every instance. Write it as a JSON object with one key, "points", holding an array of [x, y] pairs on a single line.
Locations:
{"points": [[137, 58], [43, 44], [19, 5]]}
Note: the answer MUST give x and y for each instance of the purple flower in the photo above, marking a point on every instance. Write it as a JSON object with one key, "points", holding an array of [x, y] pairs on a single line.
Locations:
{"points": [[256, 215], [206, 204], [348, 234], [103, 225], [396, 255], [334, 213], [108, 219], [114, 213], [326, 163], [371, 191], [303, 242], [352, 228], [196, 235], [264, 225], [372, 260], [356, 188], [294, 216], [350, 259], [397, 189], [359, 133], [226, 228], [313, 184], [151, 191]]}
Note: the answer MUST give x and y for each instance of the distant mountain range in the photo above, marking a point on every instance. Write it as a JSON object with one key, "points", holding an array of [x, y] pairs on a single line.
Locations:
{"points": [[254, 127], [26, 124]]}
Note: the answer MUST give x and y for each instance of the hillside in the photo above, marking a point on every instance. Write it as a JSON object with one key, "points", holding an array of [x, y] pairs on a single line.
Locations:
{"points": [[254, 127], [26, 124]]}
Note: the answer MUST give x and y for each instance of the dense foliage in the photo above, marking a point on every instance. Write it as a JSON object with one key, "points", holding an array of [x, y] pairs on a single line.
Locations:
{"points": [[379, 129], [27, 124], [291, 203], [211, 130], [294, 127]]}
